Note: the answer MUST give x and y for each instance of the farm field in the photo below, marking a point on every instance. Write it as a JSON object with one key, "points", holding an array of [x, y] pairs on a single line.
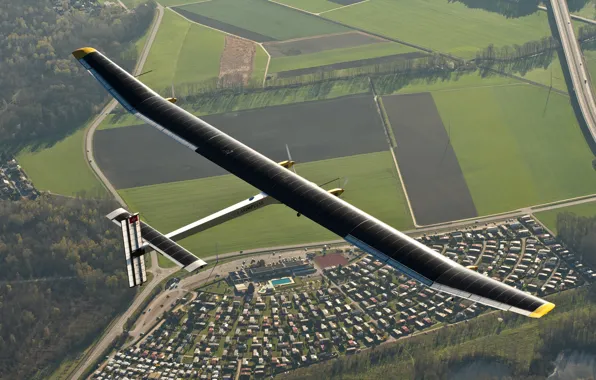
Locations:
{"points": [[396, 84], [372, 185], [313, 6], [514, 151], [343, 127], [549, 218], [62, 168], [262, 17], [230, 102], [441, 25], [431, 173], [318, 44], [259, 64], [173, 55], [587, 11], [338, 55]]}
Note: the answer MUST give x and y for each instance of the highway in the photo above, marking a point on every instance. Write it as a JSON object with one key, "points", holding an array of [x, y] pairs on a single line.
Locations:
{"points": [[582, 86]]}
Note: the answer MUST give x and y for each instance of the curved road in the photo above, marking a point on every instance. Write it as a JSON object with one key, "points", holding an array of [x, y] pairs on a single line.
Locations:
{"points": [[578, 71], [110, 107], [158, 274]]}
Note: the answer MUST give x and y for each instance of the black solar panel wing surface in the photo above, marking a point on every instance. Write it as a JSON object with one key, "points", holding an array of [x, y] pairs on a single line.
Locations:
{"points": [[161, 243], [375, 237]]}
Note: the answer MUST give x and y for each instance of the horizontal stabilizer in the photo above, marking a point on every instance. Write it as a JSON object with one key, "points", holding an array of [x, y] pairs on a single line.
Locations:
{"points": [[133, 251], [162, 244]]}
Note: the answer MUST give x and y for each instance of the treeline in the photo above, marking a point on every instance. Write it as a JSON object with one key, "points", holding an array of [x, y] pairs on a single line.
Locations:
{"points": [[45, 92], [62, 281], [579, 234], [525, 346], [508, 8]]}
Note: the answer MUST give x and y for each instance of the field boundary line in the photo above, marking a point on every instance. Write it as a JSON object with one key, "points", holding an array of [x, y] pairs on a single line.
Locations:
{"points": [[194, 2], [268, 62], [210, 27], [289, 6], [343, 6], [391, 141]]}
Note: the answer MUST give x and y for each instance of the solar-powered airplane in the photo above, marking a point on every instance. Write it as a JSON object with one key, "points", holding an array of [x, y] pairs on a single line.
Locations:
{"points": [[276, 182]]}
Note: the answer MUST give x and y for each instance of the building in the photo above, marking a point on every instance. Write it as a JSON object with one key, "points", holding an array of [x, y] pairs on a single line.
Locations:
{"points": [[292, 268]]}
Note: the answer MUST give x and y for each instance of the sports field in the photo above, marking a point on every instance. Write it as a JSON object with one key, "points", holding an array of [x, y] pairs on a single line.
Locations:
{"points": [[442, 25], [549, 218], [372, 185], [337, 55], [173, 57], [262, 17], [516, 150], [62, 168]]}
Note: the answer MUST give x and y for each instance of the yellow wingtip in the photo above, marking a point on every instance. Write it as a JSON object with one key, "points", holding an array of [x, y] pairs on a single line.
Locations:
{"points": [[542, 310], [82, 52]]}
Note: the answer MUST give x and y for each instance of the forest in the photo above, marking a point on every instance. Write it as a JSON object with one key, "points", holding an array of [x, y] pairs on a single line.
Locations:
{"points": [[579, 233], [62, 281], [44, 95]]}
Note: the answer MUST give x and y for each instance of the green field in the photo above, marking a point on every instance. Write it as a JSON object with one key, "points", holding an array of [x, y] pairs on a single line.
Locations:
{"points": [[588, 10], [264, 17], [312, 6], [514, 151], [549, 218], [173, 56], [442, 25], [228, 102], [62, 168], [259, 64], [372, 185], [337, 55], [394, 84]]}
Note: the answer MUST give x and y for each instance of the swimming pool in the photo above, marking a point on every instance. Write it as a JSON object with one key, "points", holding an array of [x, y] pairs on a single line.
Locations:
{"points": [[281, 281]]}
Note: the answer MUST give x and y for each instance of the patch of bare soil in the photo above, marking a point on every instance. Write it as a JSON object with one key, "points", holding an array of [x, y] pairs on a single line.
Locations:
{"points": [[236, 63]]}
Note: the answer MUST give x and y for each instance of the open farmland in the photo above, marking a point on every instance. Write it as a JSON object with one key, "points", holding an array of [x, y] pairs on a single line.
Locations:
{"points": [[267, 20], [313, 6], [345, 57], [442, 25], [222, 102], [61, 168], [318, 44], [434, 181], [514, 148], [373, 185], [313, 131], [549, 218], [173, 57]]}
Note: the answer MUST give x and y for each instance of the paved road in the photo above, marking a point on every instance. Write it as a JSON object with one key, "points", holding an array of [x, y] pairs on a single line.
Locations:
{"points": [[158, 273], [580, 77], [575, 17], [110, 107]]}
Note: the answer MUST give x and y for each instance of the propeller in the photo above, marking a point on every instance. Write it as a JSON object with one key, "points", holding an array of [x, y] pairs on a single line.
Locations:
{"points": [[290, 158]]}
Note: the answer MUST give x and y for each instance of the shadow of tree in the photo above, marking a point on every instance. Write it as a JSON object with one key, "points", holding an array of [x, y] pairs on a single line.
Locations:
{"points": [[508, 8]]}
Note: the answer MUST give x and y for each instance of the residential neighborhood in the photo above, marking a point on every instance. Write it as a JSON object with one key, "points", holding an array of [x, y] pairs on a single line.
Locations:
{"points": [[14, 183], [338, 301]]}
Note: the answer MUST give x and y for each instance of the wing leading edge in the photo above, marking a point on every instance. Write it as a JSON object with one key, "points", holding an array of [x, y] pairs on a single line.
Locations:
{"points": [[355, 226]]}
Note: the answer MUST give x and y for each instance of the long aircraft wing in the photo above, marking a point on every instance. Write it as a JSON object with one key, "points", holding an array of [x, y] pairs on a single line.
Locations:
{"points": [[382, 241]]}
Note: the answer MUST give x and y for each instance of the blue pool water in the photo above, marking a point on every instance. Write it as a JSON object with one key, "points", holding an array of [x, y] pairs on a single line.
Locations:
{"points": [[281, 281]]}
